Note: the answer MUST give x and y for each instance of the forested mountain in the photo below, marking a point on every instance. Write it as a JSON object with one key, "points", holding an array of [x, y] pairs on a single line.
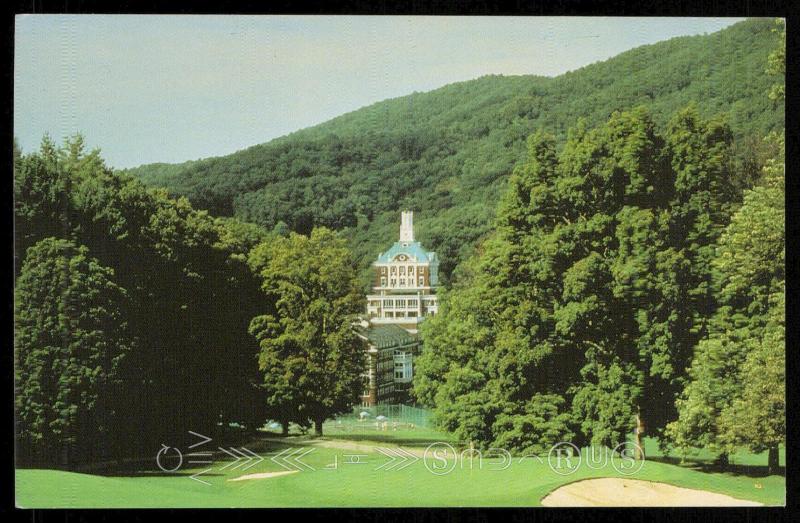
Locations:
{"points": [[627, 287], [447, 153]]}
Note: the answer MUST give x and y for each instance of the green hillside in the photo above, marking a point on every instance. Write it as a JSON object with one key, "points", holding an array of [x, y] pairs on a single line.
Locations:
{"points": [[447, 153]]}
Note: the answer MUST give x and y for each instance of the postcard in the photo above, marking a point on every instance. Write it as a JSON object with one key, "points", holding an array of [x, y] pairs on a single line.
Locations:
{"points": [[399, 261]]}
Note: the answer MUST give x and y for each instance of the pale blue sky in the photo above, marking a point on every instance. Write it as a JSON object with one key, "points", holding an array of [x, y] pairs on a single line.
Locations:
{"points": [[173, 88]]}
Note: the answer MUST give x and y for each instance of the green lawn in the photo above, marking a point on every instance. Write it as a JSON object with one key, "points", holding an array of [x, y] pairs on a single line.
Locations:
{"points": [[744, 461], [523, 483]]}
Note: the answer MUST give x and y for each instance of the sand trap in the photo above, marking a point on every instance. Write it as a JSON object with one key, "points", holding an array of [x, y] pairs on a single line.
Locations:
{"points": [[619, 492], [264, 475]]}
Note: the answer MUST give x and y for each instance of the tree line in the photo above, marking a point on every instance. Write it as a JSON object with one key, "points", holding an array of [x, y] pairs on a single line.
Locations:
{"points": [[629, 288], [138, 318]]}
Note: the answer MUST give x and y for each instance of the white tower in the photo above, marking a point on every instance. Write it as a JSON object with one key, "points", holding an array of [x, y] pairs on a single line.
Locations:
{"points": [[407, 226]]}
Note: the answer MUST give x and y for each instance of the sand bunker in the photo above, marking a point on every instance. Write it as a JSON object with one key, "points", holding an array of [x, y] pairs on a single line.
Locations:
{"points": [[264, 475], [619, 492]]}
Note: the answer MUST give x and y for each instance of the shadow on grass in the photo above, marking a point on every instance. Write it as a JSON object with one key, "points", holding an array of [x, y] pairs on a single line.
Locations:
{"points": [[152, 474], [752, 471], [148, 467]]}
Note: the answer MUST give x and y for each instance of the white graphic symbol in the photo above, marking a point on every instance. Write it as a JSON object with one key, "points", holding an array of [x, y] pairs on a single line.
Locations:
{"points": [[162, 454], [627, 464], [567, 461], [399, 458], [241, 454], [289, 458], [436, 458]]}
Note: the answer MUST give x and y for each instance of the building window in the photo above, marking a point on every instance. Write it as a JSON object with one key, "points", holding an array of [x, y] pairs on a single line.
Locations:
{"points": [[400, 304], [394, 270], [394, 282], [422, 270], [387, 303], [402, 269], [421, 281], [383, 282], [383, 270], [412, 304], [402, 282], [403, 367]]}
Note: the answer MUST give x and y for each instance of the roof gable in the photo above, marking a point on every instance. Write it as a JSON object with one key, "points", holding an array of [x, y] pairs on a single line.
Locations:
{"points": [[414, 250]]}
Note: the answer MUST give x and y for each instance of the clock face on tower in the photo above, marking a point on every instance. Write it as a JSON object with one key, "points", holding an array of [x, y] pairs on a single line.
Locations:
{"points": [[402, 257]]}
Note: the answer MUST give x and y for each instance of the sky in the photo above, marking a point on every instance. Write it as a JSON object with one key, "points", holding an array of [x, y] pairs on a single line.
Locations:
{"points": [[174, 88]]}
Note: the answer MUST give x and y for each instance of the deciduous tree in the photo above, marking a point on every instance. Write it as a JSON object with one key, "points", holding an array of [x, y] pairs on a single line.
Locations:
{"points": [[311, 359]]}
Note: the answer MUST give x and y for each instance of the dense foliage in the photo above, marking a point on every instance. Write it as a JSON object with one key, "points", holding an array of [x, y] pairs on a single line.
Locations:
{"points": [[736, 393], [625, 286], [447, 153], [128, 305], [310, 355], [71, 342], [134, 312], [582, 310]]}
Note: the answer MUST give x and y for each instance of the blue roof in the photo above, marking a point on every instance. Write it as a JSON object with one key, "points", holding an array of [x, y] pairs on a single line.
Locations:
{"points": [[411, 249]]}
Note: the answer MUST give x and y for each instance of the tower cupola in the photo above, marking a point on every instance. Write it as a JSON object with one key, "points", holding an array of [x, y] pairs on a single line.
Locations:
{"points": [[407, 226]]}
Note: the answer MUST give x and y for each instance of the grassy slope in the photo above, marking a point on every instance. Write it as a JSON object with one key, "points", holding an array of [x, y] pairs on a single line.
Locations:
{"points": [[524, 483]]}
